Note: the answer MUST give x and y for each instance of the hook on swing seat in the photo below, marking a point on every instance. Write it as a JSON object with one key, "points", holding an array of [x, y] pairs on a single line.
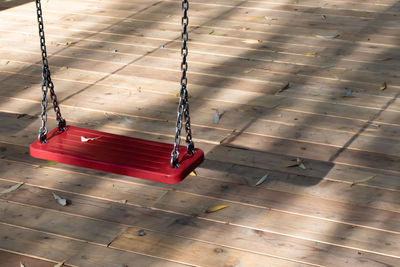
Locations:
{"points": [[124, 155]]}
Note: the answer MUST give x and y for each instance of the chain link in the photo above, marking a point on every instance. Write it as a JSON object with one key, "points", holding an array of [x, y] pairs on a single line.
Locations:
{"points": [[183, 106], [47, 84]]}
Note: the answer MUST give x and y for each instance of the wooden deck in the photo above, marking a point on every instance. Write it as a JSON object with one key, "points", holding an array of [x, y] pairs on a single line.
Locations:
{"points": [[242, 56]]}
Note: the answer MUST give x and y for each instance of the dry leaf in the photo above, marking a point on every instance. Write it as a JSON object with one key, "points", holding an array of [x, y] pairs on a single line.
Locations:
{"points": [[256, 17], [328, 36], [216, 116], [8, 61], [63, 68], [65, 43], [12, 188], [348, 93], [284, 88], [127, 120], [193, 173], [22, 265], [311, 54], [299, 163], [250, 41], [219, 34], [323, 17], [248, 71], [59, 264], [302, 166], [212, 32], [366, 179], [292, 165], [177, 95], [384, 59], [124, 201], [47, 164], [139, 89], [216, 208], [373, 124], [383, 86], [262, 179], [60, 200], [85, 139], [114, 51]]}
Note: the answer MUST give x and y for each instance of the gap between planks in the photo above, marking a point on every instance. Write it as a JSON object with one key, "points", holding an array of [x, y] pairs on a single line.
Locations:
{"points": [[111, 246], [190, 193], [225, 129], [203, 241]]}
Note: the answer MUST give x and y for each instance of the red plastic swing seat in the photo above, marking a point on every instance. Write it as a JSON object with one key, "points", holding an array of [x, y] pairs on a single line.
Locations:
{"points": [[117, 154]]}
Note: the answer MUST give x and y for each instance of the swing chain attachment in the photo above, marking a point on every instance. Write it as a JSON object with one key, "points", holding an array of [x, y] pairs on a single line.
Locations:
{"points": [[183, 106], [47, 83]]}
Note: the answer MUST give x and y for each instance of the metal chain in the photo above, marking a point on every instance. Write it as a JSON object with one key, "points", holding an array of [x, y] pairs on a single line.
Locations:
{"points": [[183, 106], [47, 83]]}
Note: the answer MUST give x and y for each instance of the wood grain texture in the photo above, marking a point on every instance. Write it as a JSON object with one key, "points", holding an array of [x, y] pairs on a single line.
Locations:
{"points": [[290, 79], [14, 259]]}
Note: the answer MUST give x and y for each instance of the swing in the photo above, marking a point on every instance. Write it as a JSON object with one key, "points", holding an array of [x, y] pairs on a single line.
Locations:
{"points": [[124, 155]]}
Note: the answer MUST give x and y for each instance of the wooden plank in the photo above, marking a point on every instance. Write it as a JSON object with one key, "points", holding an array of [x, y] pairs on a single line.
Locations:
{"points": [[269, 220], [253, 8], [266, 45], [79, 228], [317, 170], [62, 73], [269, 161], [237, 193], [223, 99], [335, 185], [186, 250], [316, 217], [281, 175], [228, 191], [290, 102], [54, 248], [260, 159], [263, 52], [295, 142], [226, 39], [100, 186], [204, 112], [191, 246], [32, 134], [216, 20], [14, 259], [8, 4], [112, 188], [248, 69], [316, 152], [254, 76], [202, 125], [283, 114], [295, 204], [178, 224]]}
